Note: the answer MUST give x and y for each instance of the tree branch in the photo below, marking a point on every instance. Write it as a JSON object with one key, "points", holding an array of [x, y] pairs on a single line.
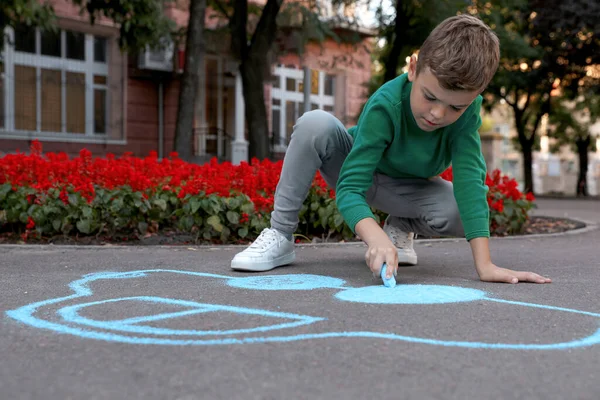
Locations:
{"points": [[265, 30], [237, 23], [526, 101], [221, 8]]}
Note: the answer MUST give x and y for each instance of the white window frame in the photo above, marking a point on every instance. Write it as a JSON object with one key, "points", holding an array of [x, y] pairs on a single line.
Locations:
{"points": [[281, 93], [88, 67], [219, 137]]}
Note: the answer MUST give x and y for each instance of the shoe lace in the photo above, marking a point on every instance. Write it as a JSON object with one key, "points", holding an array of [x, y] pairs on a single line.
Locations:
{"points": [[265, 239]]}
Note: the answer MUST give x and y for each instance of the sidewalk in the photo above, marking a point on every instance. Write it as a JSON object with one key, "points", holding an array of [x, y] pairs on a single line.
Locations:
{"points": [[177, 323], [586, 210]]}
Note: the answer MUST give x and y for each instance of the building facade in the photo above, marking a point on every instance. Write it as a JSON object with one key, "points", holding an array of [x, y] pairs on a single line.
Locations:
{"points": [[75, 89]]}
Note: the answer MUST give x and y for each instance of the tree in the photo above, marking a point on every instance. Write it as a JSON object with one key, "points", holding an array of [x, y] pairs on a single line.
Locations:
{"points": [[31, 13], [570, 31], [540, 54], [194, 55], [408, 27], [254, 32], [523, 80], [252, 55], [570, 123], [141, 22]]}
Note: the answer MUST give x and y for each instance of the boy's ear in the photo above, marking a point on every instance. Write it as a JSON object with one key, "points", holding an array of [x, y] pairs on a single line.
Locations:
{"points": [[412, 68]]}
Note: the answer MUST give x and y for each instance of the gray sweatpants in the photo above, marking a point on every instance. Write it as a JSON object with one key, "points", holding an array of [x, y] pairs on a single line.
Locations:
{"points": [[320, 142]]}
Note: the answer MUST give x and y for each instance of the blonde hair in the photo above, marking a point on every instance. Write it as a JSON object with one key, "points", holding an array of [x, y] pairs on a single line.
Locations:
{"points": [[462, 52]]}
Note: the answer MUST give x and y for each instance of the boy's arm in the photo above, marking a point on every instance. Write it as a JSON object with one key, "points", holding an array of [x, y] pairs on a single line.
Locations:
{"points": [[469, 170], [489, 272], [374, 132]]}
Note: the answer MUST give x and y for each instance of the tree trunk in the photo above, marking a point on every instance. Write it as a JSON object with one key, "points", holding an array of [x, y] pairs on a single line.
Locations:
{"points": [[527, 168], [526, 148], [391, 64], [256, 113], [194, 56], [582, 150], [254, 61]]}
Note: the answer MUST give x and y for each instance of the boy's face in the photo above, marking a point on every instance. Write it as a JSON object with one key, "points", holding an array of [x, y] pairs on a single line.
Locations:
{"points": [[433, 106]]}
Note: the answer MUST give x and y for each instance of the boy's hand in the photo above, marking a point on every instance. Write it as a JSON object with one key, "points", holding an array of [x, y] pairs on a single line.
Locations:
{"points": [[379, 253], [493, 273], [381, 249], [488, 272]]}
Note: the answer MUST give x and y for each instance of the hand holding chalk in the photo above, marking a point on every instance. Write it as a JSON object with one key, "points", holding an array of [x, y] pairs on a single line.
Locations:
{"points": [[387, 282]]}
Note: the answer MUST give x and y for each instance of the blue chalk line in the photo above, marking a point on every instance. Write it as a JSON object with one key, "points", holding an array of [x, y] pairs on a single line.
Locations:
{"points": [[75, 324]]}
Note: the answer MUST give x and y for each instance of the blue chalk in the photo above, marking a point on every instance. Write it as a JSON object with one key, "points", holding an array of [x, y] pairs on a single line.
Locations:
{"points": [[387, 282]]}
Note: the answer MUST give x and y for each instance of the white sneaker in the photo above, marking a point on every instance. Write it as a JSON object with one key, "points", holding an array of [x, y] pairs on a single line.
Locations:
{"points": [[270, 250], [404, 243]]}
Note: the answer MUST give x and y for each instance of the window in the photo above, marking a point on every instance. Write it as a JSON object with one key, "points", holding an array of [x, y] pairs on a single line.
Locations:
{"points": [[56, 82], [75, 45], [25, 39], [287, 103], [276, 81], [329, 85], [314, 81], [51, 43], [100, 45]]}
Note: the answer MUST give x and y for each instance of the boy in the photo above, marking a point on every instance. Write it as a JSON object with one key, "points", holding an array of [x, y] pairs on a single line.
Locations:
{"points": [[409, 132]]}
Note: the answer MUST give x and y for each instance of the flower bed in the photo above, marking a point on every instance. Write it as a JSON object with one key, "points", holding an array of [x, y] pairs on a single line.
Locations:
{"points": [[51, 194]]}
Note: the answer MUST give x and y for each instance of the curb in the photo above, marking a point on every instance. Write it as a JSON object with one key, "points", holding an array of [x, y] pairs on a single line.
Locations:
{"points": [[589, 227]]}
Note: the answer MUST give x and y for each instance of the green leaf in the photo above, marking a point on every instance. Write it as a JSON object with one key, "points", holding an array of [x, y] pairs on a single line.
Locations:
{"points": [[338, 220], [234, 203], [73, 199], [116, 205], [83, 226], [233, 217], [225, 234], [142, 227], [243, 232], [247, 208], [215, 204], [186, 223], [500, 219], [215, 222], [56, 224], [87, 212], [195, 204], [162, 204], [4, 189]]}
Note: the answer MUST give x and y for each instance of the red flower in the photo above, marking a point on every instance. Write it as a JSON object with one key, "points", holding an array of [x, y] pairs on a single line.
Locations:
{"points": [[498, 205], [447, 174], [30, 223], [530, 197]]}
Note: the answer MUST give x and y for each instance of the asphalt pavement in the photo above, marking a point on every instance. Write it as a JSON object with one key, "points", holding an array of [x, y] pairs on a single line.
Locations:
{"points": [[176, 323]]}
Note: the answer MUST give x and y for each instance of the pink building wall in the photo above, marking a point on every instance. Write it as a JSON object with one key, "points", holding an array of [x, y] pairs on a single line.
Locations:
{"points": [[141, 95]]}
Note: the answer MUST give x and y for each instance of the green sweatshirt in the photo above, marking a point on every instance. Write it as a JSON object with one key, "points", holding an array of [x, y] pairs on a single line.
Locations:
{"points": [[388, 141]]}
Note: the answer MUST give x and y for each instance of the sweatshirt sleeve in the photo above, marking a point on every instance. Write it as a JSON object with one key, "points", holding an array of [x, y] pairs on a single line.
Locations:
{"points": [[469, 172], [373, 133]]}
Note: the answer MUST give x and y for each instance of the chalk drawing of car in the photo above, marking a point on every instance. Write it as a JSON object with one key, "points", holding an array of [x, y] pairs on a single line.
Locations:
{"points": [[68, 319]]}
